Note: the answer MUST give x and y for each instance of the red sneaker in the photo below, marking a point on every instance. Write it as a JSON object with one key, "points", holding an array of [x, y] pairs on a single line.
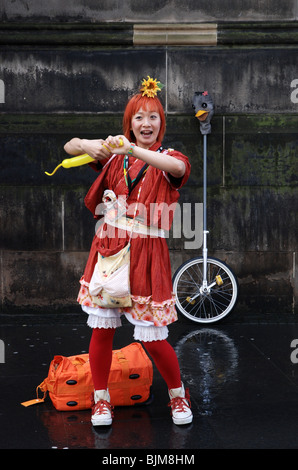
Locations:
{"points": [[102, 414], [180, 404]]}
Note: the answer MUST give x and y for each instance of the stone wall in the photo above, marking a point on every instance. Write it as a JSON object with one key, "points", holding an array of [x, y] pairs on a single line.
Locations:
{"points": [[68, 68]]}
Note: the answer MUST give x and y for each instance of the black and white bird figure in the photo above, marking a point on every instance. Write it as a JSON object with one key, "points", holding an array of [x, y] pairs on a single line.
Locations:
{"points": [[204, 108]]}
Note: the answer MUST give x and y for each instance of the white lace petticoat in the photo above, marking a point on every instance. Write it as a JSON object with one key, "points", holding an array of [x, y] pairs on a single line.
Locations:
{"points": [[111, 318]]}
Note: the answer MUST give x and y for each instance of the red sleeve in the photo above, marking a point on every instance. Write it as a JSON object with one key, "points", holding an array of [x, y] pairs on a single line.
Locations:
{"points": [[177, 183], [94, 195], [98, 166]]}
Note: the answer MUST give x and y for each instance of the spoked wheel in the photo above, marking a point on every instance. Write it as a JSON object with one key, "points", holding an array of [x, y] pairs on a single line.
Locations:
{"points": [[205, 303]]}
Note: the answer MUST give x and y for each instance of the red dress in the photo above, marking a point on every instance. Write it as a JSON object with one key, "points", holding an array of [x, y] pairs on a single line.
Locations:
{"points": [[150, 269]]}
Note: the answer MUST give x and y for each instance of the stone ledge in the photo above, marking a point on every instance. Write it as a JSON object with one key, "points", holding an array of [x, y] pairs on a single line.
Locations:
{"points": [[175, 34], [149, 34]]}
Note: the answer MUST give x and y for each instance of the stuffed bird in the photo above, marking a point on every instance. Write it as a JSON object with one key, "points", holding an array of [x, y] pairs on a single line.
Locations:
{"points": [[204, 108]]}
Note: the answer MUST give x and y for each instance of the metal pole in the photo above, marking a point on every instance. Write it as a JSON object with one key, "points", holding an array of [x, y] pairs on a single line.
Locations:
{"points": [[205, 250], [205, 184], [204, 109]]}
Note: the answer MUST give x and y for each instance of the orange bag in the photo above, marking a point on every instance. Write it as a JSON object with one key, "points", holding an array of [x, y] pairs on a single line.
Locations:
{"points": [[70, 385]]}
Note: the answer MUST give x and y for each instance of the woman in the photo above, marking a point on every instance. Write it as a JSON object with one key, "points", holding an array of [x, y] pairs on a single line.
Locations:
{"points": [[135, 168]]}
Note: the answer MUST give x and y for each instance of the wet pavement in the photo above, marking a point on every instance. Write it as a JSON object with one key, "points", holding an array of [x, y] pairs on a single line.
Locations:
{"points": [[242, 376]]}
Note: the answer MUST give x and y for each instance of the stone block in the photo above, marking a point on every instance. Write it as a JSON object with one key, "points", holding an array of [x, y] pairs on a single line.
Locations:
{"points": [[40, 280]]}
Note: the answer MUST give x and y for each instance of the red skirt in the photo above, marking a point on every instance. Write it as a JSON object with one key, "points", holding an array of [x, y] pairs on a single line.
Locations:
{"points": [[150, 275]]}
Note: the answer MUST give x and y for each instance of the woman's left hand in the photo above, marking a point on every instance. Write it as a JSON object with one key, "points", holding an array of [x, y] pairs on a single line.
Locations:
{"points": [[117, 144]]}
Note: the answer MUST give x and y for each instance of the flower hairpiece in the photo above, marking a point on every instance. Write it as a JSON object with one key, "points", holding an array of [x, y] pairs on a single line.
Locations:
{"points": [[150, 87]]}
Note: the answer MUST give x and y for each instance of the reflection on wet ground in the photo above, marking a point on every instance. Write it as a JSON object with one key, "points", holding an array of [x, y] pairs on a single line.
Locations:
{"points": [[242, 379]]}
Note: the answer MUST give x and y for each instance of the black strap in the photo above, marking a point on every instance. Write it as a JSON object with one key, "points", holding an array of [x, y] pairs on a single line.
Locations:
{"points": [[132, 184]]}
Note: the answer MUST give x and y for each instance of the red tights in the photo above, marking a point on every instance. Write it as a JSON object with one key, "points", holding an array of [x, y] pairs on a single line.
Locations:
{"points": [[100, 357]]}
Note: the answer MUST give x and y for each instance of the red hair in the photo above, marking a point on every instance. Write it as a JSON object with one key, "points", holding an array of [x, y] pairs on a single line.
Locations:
{"points": [[147, 104]]}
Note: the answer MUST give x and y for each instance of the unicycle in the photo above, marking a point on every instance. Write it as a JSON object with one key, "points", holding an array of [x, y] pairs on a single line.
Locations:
{"points": [[205, 288]]}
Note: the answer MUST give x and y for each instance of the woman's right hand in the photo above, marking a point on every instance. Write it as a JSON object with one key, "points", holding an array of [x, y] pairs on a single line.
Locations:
{"points": [[94, 148]]}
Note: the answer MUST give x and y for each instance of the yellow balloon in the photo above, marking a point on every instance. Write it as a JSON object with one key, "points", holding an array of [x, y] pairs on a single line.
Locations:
{"points": [[77, 161], [71, 162]]}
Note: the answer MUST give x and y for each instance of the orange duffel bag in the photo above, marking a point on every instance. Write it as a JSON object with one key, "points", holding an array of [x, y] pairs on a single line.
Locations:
{"points": [[70, 387]]}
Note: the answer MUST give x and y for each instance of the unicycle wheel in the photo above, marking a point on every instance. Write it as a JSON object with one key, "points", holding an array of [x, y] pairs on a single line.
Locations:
{"points": [[207, 303]]}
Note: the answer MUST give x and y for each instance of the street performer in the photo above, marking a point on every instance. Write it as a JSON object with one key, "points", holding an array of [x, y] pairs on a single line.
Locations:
{"points": [[134, 168]]}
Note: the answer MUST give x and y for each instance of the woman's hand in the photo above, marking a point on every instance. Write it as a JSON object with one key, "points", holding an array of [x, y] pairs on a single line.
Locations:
{"points": [[96, 148], [117, 144]]}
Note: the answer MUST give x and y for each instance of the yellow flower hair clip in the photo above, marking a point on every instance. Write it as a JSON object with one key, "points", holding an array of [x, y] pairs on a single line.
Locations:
{"points": [[150, 87]]}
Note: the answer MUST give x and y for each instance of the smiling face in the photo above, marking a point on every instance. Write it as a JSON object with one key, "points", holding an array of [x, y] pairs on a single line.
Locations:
{"points": [[132, 120], [146, 126]]}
